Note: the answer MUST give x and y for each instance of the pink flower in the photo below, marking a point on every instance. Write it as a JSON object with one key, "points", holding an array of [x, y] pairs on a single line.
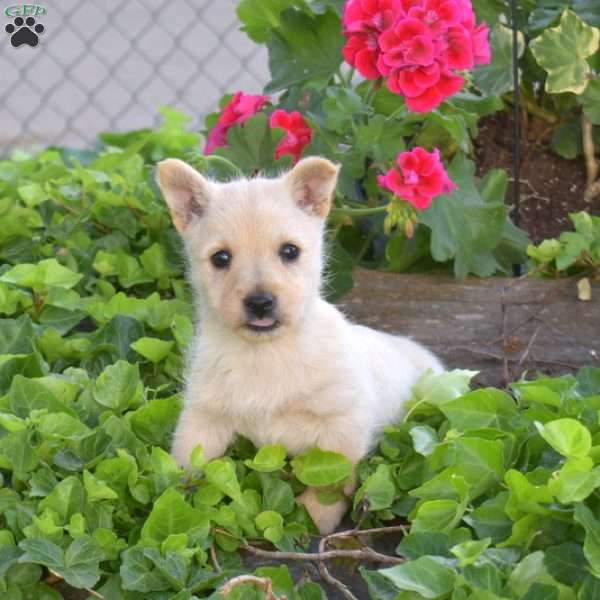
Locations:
{"points": [[298, 135], [363, 21], [418, 177], [238, 110], [417, 45]]}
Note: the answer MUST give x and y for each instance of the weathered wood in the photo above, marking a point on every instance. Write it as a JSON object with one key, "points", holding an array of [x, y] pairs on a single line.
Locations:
{"points": [[542, 327]]}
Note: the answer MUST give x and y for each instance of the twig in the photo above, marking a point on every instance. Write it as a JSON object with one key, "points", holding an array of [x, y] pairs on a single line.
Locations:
{"points": [[592, 191], [263, 583], [59, 577], [365, 532], [505, 372], [529, 345], [214, 559], [488, 354], [591, 165], [329, 578], [364, 554]]}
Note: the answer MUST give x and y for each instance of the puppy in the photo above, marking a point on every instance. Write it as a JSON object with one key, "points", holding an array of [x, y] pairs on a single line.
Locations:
{"points": [[274, 362]]}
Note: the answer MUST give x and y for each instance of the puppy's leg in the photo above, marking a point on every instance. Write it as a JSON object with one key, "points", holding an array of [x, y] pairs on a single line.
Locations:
{"points": [[338, 437], [197, 426]]}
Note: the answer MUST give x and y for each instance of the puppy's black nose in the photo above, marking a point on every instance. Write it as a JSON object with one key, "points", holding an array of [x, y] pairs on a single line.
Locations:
{"points": [[259, 304]]}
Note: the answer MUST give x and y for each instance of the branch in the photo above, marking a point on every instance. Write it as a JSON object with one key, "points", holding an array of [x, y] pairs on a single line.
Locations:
{"points": [[329, 578], [365, 554], [591, 165], [263, 583]]}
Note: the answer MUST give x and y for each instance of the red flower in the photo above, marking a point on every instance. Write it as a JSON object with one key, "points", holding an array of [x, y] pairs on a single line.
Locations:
{"points": [[238, 110], [363, 21], [418, 178], [298, 135], [417, 45]]}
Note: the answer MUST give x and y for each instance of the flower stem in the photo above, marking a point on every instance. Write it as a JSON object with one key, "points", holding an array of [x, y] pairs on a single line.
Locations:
{"points": [[358, 212], [373, 89]]}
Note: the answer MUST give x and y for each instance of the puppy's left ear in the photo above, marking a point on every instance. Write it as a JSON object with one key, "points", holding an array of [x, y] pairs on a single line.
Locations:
{"points": [[312, 182]]}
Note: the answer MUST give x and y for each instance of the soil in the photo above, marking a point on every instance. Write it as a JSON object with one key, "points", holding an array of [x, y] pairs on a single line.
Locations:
{"points": [[551, 186]]}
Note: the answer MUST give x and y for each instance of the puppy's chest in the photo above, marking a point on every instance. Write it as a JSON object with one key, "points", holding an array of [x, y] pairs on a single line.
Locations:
{"points": [[257, 386]]}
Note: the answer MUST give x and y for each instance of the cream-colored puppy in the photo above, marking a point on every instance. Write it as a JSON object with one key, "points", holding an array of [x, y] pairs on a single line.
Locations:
{"points": [[273, 361]]}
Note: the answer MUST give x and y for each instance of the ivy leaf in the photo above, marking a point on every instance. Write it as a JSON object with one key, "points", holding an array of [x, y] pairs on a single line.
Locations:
{"points": [[171, 514], [118, 387], [268, 459], [153, 349], [378, 489], [43, 275], [425, 576], [567, 436], [562, 52], [321, 467]]}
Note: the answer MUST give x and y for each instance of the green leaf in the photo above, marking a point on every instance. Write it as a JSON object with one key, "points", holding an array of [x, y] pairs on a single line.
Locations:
{"points": [[118, 387], [67, 498], [251, 146], [378, 489], [321, 467], [562, 52], [566, 563], [271, 524], [42, 276], [153, 349], [425, 576], [221, 473], [590, 100], [260, 18], [591, 544], [496, 78], [464, 227], [304, 49], [468, 552], [268, 459], [567, 436], [16, 335], [480, 409], [171, 514]]}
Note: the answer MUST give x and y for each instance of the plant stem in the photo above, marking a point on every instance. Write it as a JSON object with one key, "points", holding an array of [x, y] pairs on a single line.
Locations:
{"points": [[358, 212], [591, 164], [216, 159], [375, 85]]}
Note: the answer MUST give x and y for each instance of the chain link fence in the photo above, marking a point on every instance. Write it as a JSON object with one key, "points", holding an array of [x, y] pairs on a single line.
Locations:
{"points": [[109, 65]]}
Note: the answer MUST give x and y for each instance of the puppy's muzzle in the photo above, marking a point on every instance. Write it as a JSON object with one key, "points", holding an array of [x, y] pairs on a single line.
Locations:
{"points": [[260, 308]]}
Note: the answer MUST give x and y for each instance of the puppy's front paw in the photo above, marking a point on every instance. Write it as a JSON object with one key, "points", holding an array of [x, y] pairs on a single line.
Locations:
{"points": [[325, 516]]}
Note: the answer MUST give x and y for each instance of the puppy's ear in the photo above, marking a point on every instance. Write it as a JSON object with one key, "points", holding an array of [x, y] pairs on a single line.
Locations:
{"points": [[312, 182], [185, 191]]}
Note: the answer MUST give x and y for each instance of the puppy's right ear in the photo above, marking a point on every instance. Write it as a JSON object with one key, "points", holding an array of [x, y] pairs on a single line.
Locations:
{"points": [[185, 191]]}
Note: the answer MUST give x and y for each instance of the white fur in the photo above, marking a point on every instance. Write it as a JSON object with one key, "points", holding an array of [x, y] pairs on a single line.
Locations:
{"points": [[318, 380]]}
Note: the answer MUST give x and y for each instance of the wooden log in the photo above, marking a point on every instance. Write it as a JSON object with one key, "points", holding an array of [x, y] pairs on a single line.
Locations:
{"points": [[501, 327]]}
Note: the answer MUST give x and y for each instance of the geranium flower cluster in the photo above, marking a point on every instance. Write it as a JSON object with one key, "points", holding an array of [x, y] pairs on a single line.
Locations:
{"points": [[418, 177], [418, 46], [243, 106]]}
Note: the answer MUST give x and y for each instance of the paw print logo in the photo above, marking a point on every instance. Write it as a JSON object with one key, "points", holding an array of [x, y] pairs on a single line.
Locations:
{"points": [[24, 31]]}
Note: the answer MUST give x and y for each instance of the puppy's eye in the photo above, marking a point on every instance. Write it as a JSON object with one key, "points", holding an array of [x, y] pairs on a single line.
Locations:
{"points": [[289, 252], [221, 259]]}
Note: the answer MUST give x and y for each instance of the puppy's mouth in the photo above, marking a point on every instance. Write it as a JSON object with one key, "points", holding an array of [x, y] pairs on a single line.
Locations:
{"points": [[263, 325]]}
